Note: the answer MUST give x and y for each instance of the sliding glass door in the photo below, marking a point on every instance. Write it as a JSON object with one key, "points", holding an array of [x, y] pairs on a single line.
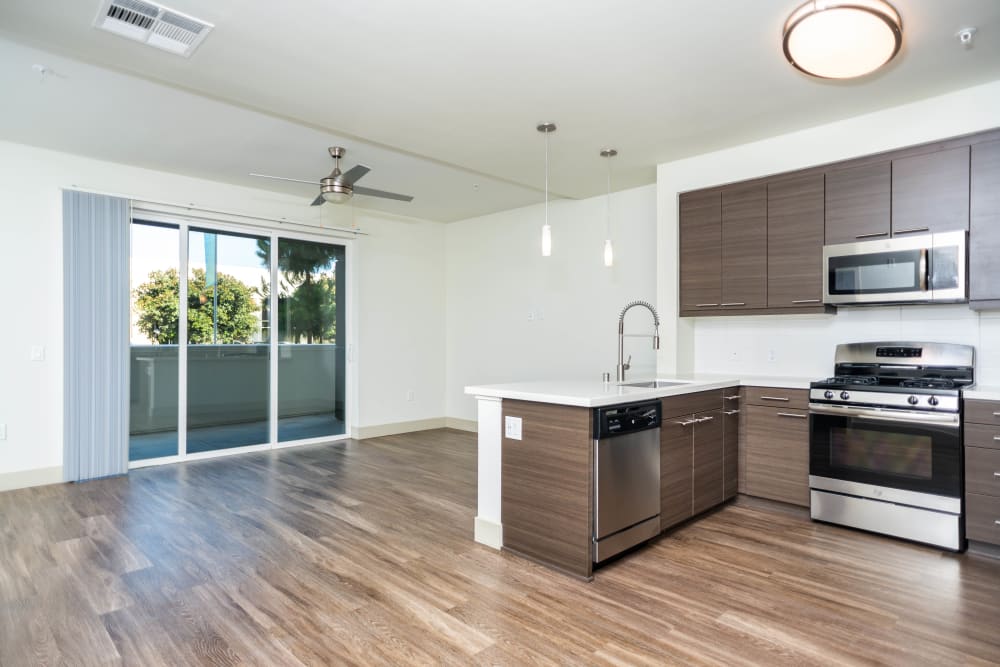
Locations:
{"points": [[229, 278], [310, 320], [238, 341]]}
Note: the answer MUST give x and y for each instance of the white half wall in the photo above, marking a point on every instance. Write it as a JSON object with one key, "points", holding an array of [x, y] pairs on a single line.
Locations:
{"points": [[397, 278], [513, 315], [802, 345]]}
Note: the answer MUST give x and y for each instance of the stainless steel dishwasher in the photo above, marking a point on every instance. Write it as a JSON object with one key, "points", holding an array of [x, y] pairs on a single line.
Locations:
{"points": [[626, 477]]}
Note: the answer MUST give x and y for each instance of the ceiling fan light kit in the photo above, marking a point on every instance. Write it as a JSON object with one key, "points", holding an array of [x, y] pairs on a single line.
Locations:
{"points": [[842, 39], [546, 129]]}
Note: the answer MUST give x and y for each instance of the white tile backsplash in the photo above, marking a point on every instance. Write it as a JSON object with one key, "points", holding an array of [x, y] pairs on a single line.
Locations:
{"points": [[803, 345]]}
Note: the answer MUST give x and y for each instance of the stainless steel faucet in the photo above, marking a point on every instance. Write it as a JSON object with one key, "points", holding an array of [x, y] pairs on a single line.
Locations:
{"points": [[625, 365]]}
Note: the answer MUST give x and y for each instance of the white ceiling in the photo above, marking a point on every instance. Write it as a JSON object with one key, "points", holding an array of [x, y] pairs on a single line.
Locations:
{"points": [[440, 94]]}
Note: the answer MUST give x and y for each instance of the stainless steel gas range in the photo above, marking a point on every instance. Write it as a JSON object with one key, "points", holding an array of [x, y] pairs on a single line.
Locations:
{"points": [[885, 440]]}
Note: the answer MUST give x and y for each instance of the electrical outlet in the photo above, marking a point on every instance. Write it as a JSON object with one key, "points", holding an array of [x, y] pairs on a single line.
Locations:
{"points": [[531, 316], [37, 353], [512, 428], [771, 356], [734, 356], [3, 431], [410, 395]]}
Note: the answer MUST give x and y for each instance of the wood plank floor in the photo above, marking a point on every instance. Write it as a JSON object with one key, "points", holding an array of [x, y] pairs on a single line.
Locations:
{"points": [[362, 553]]}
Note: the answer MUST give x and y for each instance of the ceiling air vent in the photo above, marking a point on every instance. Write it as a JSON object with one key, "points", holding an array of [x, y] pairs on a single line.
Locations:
{"points": [[153, 24]]}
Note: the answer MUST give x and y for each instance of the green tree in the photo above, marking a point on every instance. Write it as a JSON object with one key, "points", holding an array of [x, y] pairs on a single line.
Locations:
{"points": [[157, 304], [307, 304]]}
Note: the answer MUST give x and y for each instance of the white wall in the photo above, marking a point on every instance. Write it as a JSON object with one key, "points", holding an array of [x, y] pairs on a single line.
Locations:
{"points": [[803, 345], [399, 282], [496, 277]]}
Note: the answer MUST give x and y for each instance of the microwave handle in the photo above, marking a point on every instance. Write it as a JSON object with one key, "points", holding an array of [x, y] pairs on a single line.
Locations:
{"points": [[924, 270]]}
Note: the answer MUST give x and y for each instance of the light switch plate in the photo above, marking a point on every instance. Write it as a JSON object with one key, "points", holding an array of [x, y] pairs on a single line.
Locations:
{"points": [[512, 428], [37, 353]]}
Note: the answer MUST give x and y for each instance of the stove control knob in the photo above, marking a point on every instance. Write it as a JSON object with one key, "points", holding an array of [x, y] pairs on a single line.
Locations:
{"points": [[912, 400], [827, 394], [844, 395], [933, 400]]}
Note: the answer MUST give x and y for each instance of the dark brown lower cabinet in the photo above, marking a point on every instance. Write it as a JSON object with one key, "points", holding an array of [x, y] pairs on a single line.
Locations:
{"points": [[730, 443], [982, 471], [676, 475], [545, 478], [777, 453], [707, 489], [693, 473]]}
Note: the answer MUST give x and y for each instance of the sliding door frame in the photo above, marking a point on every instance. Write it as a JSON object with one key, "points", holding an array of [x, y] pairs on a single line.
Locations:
{"points": [[344, 300]]}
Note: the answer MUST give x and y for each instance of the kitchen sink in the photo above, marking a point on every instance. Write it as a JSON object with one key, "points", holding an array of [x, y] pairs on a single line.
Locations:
{"points": [[653, 384]]}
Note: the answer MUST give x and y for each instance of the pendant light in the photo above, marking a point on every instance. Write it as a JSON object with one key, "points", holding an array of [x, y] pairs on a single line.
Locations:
{"points": [[609, 254], [842, 39], [546, 129]]}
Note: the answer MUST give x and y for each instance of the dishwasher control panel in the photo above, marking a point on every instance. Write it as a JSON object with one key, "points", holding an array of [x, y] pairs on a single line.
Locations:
{"points": [[620, 419]]}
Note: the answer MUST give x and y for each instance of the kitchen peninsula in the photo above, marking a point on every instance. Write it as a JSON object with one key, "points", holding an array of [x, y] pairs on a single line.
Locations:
{"points": [[536, 457]]}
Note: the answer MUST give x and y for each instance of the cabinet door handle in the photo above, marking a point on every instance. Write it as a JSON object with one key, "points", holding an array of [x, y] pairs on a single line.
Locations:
{"points": [[911, 231], [774, 398], [805, 301], [792, 414], [871, 236], [734, 303], [736, 412], [706, 305], [996, 414], [704, 419], [996, 474], [996, 437], [734, 397], [686, 422]]}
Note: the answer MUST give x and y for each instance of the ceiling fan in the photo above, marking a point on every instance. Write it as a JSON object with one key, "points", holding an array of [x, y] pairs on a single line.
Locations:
{"points": [[339, 186]]}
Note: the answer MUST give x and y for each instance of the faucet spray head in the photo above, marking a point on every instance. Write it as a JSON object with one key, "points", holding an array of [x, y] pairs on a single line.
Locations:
{"points": [[656, 341]]}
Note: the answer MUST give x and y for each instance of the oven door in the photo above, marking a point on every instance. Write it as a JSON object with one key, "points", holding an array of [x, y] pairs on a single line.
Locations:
{"points": [[919, 452]]}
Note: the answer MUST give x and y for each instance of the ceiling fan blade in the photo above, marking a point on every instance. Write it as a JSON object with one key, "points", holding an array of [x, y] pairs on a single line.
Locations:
{"points": [[381, 193], [319, 200], [282, 178], [352, 175]]}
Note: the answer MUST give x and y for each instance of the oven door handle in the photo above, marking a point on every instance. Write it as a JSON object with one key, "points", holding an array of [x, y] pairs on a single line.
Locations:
{"points": [[948, 420]]}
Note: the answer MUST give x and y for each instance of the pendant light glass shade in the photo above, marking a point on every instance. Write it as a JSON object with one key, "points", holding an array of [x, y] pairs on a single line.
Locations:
{"points": [[546, 129], [842, 39], [609, 254]]}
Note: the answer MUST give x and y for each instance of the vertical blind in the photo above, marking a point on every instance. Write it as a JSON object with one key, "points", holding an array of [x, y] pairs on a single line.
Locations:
{"points": [[95, 334]]}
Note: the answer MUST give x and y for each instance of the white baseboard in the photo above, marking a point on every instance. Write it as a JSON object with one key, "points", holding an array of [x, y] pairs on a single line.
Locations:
{"points": [[37, 477], [489, 533], [396, 428], [470, 425]]}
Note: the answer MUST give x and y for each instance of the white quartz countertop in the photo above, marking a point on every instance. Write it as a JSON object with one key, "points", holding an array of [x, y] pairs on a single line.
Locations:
{"points": [[985, 393], [595, 394]]}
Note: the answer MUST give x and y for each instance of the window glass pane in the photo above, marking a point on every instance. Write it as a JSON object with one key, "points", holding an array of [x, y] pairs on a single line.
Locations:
{"points": [[155, 304], [228, 329], [311, 351]]}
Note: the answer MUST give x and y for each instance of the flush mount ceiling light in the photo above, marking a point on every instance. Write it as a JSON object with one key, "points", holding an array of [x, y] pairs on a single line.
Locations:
{"points": [[842, 39], [546, 129]]}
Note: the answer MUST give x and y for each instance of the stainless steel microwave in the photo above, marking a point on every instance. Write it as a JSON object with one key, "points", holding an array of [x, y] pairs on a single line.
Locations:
{"points": [[930, 268]]}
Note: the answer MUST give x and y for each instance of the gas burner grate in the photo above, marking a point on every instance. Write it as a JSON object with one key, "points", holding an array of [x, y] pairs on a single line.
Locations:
{"points": [[852, 379], [928, 383]]}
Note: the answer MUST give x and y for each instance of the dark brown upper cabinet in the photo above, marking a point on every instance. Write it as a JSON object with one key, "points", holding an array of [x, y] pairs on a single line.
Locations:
{"points": [[858, 201], [744, 246], [984, 227], [700, 251], [930, 192], [795, 241]]}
